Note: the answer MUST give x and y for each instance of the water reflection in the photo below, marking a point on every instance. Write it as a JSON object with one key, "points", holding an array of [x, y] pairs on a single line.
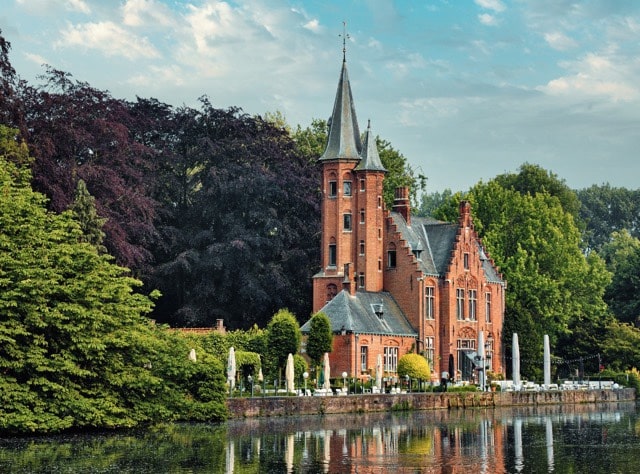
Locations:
{"points": [[483, 441], [575, 438]]}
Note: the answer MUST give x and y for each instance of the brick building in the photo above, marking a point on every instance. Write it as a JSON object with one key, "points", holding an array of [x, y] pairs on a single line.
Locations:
{"points": [[392, 283]]}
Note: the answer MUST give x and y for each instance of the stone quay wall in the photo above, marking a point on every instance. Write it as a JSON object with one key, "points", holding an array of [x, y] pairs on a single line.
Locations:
{"points": [[294, 405]]}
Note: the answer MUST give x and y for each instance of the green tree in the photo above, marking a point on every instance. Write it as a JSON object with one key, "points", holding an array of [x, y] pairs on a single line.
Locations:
{"points": [[623, 294], [320, 339], [75, 347], [415, 366], [283, 337], [84, 210], [553, 287], [312, 140], [399, 173], [606, 209]]}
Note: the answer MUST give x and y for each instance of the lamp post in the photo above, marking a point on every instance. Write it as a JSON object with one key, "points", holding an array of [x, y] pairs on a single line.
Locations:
{"points": [[408, 382], [344, 381], [250, 380], [305, 376]]}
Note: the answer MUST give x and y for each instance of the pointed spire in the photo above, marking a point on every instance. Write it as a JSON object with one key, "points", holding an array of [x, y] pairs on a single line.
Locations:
{"points": [[369, 157], [344, 133]]}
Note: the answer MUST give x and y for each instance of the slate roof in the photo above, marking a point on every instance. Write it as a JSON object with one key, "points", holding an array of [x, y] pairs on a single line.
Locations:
{"points": [[357, 314], [370, 159], [435, 240], [344, 133]]}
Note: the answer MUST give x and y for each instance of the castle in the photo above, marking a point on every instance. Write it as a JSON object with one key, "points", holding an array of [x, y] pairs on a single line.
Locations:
{"points": [[392, 283]]}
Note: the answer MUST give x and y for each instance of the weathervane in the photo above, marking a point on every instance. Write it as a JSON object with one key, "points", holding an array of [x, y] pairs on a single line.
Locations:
{"points": [[344, 35]]}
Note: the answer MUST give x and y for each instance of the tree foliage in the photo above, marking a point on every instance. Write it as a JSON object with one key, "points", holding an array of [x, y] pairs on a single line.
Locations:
{"points": [[623, 294], [320, 339], [84, 210], [415, 366], [605, 210], [554, 288], [240, 222], [78, 132], [283, 337], [76, 349]]}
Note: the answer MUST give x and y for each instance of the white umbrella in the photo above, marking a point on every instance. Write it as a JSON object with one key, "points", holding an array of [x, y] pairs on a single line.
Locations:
{"points": [[192, 355], [327, 372], [231, 368], [379, 372], [289, 373], [547, 361], [481, 374], [515, 361]]}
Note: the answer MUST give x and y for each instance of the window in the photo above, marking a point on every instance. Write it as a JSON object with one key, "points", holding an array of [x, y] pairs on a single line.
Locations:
{"points": [[347, 222], [430, 301], [346, 188], [379, 201], [487, 307], [333, 188], [488, 350], [429, 352], [361, 280], [472, 305], [361, 216], [466, 261], [391, 256], [362, 185], [362, 247], [390, 359], [465, 345], [332, 255], [379, 264], [460, 304], [332, 291], [364, 356]]}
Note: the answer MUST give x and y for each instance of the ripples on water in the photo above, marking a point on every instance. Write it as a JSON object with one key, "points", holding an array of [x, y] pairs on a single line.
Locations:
{"points": [[592, 439]]}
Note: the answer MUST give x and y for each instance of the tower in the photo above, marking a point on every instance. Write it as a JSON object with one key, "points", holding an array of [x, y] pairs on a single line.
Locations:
{"points": [[351, 205]]}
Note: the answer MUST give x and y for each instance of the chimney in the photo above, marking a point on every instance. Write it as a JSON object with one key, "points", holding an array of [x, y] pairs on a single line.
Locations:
{"points": [[465, 213], [401, 203], [346, 282]]}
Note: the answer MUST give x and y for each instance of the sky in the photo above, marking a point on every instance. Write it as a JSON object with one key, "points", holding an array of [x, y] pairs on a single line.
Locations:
{"points": [[464, 89]]}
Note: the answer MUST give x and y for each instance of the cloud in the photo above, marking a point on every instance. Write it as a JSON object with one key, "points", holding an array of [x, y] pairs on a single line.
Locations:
{"points": [[35, 58], [495, 5], [108, 38], [487, 19], [559, 41], [596, 75], [171, 75], [313, 25], [145, 13], [47, 7]]}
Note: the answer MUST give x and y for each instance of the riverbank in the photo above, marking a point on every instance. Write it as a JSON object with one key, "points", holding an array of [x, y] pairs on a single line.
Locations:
{"points": [[294, 406]]}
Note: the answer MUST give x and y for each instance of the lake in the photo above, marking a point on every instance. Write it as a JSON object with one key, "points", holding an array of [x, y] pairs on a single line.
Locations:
{"points": [[593, 438]]}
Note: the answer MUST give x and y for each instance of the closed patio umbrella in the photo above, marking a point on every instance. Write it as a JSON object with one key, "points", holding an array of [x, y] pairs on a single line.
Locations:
{"points": [[289, 374]]}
